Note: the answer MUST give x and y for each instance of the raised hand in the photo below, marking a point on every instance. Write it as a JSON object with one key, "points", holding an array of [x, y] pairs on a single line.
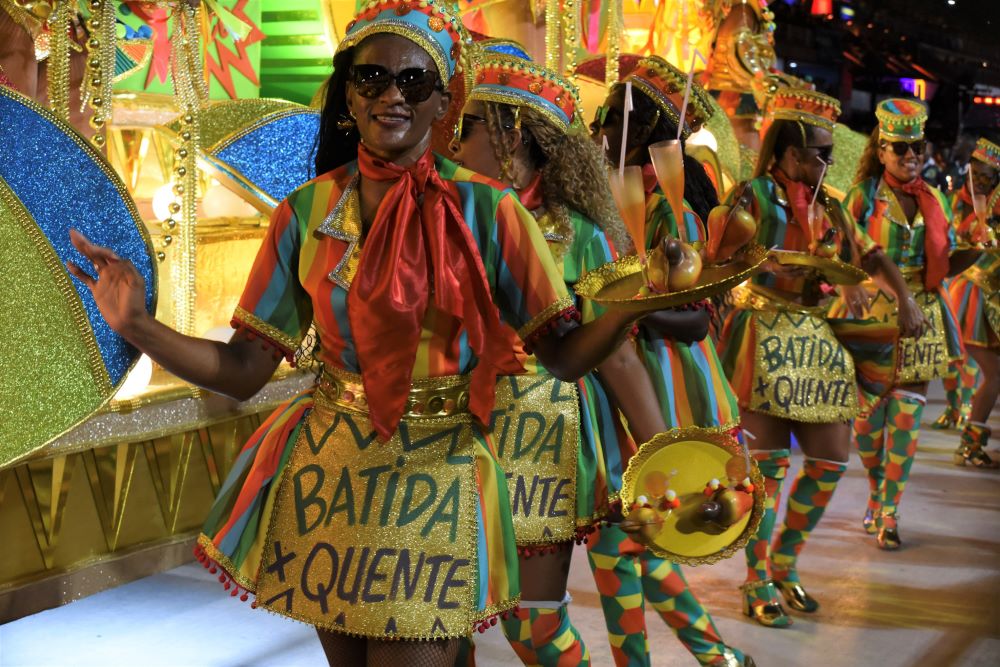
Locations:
{"points": [[118, 289]]}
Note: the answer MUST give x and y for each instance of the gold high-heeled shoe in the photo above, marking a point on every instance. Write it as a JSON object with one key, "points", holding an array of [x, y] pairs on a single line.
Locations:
{"points": [[796, 597], [769, 614], [888, 535], [868, 522]]}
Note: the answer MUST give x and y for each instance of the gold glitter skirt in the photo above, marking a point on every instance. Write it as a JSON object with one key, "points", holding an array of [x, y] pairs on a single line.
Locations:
{"points": [[408, 539], [536, 433], [784, 360]]}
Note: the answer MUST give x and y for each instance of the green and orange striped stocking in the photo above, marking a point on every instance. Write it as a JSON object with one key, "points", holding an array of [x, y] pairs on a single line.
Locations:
{"points": [[543, 636], [626, 575], [869, 437], [807, 500], [903, 413]]}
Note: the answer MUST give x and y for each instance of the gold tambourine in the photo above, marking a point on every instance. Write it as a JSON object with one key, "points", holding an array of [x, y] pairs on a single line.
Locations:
{"points": [[667, 487], [616, 284], [835, 271]]}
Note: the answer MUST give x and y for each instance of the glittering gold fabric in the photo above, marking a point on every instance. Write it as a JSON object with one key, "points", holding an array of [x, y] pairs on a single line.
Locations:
{"points": [[924, 358], [801, 371], [377, 539], [52, 373], [536, 433]]}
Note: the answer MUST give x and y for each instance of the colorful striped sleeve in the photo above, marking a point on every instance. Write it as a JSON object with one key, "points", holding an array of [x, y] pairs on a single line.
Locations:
{"points": [[529, 289], [946, 207], [590, 253], [274, 305], [861, 238]]}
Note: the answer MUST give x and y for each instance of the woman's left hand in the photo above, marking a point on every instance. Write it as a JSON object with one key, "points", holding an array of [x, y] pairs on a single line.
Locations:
{"points": [[684, 326]]}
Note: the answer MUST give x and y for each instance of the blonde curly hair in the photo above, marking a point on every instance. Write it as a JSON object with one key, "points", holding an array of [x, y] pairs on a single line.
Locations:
{"points": [[574, 175]]}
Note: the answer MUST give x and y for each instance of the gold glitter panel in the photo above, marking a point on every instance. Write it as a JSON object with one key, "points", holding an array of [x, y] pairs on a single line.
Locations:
{"points": [[924, 358], [801, 371], [376, 539], [535, 428], [47, 340]]}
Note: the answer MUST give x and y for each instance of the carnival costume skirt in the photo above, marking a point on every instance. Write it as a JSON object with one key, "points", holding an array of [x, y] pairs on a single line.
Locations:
{"points": [[975, 295], [409, 539], [549, 438], [925, 358], [789, 364]]}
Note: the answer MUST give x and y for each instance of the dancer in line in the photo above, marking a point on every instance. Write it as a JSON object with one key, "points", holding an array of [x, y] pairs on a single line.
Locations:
{"points": [[372, 505], [521, 126], [690, 386], [975, 295], [770, 341], [911, 220]]}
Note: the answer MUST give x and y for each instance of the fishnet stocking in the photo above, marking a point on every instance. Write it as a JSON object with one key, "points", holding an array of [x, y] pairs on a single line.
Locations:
{"points": [[344, 651]]}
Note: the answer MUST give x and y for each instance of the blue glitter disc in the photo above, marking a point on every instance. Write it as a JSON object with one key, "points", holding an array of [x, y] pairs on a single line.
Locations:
{"points": [[66, 184]]}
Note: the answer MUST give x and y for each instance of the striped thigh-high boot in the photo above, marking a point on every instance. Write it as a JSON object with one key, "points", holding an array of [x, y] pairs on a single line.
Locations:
{"points": [[627, 575], [542, 635], [667, 591], [807, 500], [869, 438], [761, 600], [902, 432]]}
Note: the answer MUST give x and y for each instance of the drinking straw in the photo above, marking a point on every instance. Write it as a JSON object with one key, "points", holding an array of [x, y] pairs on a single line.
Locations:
{"points": [[628, 109], [687, 91]]}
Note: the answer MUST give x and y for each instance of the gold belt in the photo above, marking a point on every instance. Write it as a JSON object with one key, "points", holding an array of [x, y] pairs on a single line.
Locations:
{"points": [[987, 280], [756, 297], [914, 277], [428, 397]]}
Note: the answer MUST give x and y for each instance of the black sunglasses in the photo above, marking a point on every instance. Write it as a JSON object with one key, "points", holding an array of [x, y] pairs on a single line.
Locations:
{"points": [[414, 84], [900, 148], [465, 125], [824, 153]]}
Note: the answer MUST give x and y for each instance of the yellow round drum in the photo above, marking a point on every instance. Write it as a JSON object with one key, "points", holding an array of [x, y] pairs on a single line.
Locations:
{"points": [[693, 495]]}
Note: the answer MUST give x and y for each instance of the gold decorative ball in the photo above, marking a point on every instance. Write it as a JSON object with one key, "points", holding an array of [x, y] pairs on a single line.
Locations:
{"points": [[98, 140], [181, 171], [186, 136], [94, 63], [188, 118], [167, 240], [182, 153], [179, 189], [174, 208], [93, 43], [97, 102], [97, 82], [96, 122], [169, 224], [160, 256], [94, 23]]}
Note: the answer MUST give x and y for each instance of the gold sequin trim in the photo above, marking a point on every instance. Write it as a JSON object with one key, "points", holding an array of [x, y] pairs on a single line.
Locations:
{"points": [[272, 333], [407, 31], [223, 561], [544, 317], [344, 224]]}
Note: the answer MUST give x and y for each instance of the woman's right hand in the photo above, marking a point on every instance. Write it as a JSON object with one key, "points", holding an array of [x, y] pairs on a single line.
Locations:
{"points": [[118, 289]]}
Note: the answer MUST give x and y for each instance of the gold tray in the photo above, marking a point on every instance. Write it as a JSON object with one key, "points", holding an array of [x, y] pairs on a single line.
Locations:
{"points": [[694, 456], [834, 270], [616, 284]]}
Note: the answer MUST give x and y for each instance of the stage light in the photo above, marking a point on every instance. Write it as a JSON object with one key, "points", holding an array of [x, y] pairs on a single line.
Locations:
{"points": [[793, 64], [137, 380]]}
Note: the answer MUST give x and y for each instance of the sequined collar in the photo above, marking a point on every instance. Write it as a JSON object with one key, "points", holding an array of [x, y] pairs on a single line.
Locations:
{"points": [[344, 224], [894, 210]]}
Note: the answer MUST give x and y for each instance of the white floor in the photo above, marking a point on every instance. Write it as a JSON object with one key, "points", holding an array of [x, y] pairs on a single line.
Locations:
{"points": [[936, 602]]}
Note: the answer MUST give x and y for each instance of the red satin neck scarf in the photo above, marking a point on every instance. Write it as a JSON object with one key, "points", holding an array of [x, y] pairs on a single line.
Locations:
{"points": [[419, 247], [649, 181], [799, 197], [531, 195], [935, 226]]}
